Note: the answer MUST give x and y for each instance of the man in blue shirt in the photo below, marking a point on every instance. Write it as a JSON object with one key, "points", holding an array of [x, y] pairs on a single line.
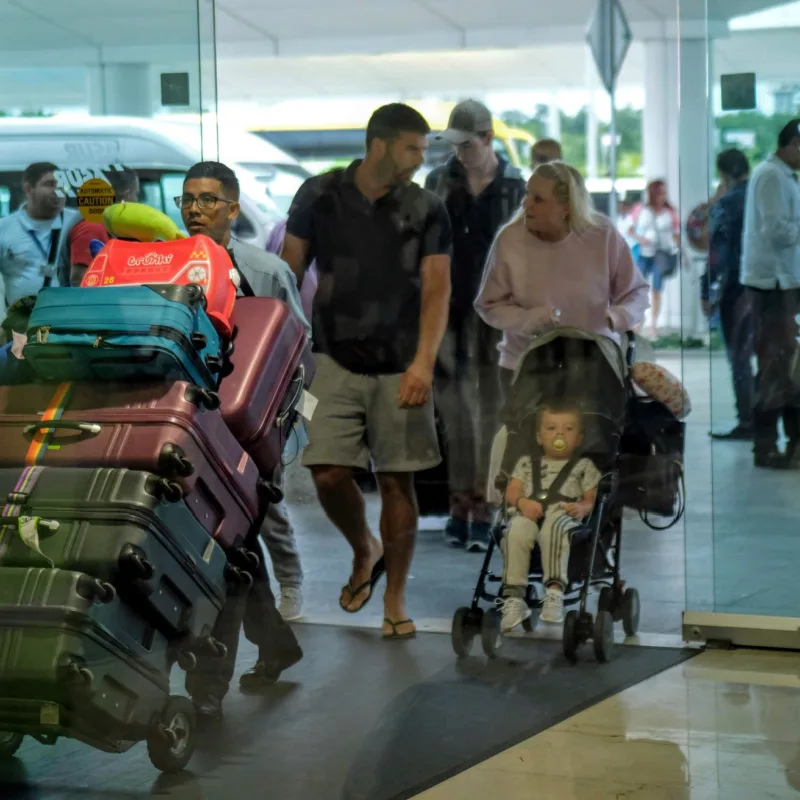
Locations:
{"points": [[34, 240], [726, 223], [771, 272]]}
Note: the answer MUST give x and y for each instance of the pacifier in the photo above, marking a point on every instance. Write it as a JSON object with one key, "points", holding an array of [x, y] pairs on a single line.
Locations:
{"points": [[559, 444]]}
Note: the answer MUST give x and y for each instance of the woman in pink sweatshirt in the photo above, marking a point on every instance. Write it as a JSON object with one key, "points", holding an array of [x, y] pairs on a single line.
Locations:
{"points": [[558, 262]]}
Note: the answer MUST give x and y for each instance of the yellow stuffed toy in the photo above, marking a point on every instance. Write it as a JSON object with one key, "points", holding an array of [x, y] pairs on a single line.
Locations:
{"points": [[140, 223]]}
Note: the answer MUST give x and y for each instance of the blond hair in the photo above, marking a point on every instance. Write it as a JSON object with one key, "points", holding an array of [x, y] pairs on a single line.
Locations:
{"points": [[570, 189]]}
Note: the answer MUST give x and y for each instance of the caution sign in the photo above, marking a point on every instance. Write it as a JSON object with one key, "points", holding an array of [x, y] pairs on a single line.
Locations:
{"points": [[94, 197]]}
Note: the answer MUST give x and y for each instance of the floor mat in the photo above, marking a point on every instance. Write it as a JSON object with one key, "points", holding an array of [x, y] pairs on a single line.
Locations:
{"points": [[357, 719]]}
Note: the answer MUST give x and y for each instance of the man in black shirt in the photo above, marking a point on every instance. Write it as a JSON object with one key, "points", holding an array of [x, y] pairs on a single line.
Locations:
{"points": [[481, 192], [382, 249]]}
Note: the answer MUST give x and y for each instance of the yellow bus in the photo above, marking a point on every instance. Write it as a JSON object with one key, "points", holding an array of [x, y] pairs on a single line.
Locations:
{"points": [[321, 137]]}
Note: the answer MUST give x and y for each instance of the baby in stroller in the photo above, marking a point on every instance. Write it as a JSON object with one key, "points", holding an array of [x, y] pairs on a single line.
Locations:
{"points": [[548, 498]]}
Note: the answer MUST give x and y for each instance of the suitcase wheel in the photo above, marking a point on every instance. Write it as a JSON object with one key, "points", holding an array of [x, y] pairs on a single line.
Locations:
{"points": [[214, 363], [237, 576], [187, 661], [10, 743], [78, 674], [199, 340], [214, 648], [195, 295], [202, 398], [248, 558], [135, 565], [173, 461], [95, 590], [171, 742], [164, 489]]}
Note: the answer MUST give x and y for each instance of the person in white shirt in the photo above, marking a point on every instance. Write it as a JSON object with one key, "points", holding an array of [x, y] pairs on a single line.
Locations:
{"points": [[771, 273], [656, 227]]}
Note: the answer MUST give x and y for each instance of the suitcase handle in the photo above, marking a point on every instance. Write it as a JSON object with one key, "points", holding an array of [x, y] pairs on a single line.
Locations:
{"points": [[300, 377], [62, 424]]}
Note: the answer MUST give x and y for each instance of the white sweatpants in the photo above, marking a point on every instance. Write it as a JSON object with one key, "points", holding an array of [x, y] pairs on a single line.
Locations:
{"points": [[553, 536]]}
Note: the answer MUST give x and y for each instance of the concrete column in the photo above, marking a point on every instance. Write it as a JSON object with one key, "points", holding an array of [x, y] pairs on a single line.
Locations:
{"points": [[121, 90], [676, 148]]}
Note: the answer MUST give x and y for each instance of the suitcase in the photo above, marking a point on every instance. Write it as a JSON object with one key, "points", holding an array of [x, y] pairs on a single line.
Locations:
{"points": [[108, 524], [73, 658], [271, 365], [168, 430], [198, 260], [127, 333]]}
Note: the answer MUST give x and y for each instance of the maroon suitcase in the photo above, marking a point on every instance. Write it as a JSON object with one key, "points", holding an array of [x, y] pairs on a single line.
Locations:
{"points": [[272, 365], [168, 430]]}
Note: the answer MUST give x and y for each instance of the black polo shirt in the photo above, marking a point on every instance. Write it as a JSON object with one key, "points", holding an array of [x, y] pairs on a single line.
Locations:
{"points": [[366, 311]]}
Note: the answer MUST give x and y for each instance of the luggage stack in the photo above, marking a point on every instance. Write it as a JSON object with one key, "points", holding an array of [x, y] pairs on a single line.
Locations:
{"points": [[133, 475]]}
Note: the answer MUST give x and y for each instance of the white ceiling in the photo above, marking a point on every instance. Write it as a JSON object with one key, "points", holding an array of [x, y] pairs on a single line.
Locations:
{"points": [[463, 46]]}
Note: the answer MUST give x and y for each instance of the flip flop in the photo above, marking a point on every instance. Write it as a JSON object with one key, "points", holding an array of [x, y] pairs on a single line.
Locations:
{"points": [[394, 635], [377, 574]]}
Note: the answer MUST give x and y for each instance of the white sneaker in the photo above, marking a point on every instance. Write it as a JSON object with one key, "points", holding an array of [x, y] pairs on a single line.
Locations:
{"points": [[553, 606], [291, 605], [515, 612]]}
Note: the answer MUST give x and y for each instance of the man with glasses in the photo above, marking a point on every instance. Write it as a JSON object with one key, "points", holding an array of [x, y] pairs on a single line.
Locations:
{"points": [[209, 205]]}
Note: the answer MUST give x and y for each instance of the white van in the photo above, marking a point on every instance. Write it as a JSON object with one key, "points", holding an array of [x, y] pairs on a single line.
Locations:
{"points": [[160, 152]]}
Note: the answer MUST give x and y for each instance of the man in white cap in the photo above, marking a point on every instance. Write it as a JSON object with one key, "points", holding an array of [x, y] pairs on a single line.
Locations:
{"points": [[481, 191]]}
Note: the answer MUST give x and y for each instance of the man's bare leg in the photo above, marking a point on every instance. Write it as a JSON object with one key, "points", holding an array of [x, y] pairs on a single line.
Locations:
{"points": [[399, 516], [343, 502]]}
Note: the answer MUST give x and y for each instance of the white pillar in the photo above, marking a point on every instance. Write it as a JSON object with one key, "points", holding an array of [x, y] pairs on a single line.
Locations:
{"points": [[554, 119], [121, 90], [676, 148], [592, 170]]}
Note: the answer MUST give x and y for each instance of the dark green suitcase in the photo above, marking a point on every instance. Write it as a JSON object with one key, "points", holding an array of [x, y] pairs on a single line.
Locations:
{"points": [[111, 524], [75, 661]]}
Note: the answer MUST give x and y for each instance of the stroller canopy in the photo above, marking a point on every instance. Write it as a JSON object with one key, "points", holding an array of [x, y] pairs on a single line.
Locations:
{"points": [[569, 363]]}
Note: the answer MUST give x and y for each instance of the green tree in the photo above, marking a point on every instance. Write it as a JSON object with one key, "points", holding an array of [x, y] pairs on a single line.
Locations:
{"points": [[735, 129]]}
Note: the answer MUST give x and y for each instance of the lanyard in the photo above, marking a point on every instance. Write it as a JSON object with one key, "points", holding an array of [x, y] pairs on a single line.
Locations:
{"points": [[50, 254]]}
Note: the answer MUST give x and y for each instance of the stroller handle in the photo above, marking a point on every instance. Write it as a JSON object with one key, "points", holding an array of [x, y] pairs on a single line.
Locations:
{"points": [[630, 351]]}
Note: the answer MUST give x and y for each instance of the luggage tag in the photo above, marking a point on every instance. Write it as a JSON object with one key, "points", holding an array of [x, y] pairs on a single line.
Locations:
{"points": [[28, 529], [308, 405]]}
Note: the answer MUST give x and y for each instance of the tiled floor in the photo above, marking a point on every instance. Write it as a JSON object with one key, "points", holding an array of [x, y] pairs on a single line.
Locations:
{"points": [[722, 726]]}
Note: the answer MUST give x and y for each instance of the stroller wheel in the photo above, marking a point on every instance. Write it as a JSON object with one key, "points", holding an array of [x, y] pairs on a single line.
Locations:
{"points": [[463, 632], [603, 637], [570, 637], [606, 600], [631, 610], [529, 625], [491, 635]]}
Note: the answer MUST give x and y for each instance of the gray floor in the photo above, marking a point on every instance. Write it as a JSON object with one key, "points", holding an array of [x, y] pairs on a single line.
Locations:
{"points": [[357, 719], [736, 549]]}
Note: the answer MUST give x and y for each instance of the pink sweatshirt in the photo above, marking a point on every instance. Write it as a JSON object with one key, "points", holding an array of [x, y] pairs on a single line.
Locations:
{"points": [[589, 277]]}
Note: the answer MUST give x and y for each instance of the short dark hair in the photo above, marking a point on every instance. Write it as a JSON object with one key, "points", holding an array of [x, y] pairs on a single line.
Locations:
{"points": [[389, 122], [217, 171], [35, 172], [733, 163], [123, 181], [788, 133]]}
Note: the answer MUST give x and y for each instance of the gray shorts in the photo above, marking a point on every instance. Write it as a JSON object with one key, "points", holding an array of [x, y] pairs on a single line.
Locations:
{"points": [[358, 418]]}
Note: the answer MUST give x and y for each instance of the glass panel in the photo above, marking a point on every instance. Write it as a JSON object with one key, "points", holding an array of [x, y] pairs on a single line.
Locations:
{"points": [[755, 498]]}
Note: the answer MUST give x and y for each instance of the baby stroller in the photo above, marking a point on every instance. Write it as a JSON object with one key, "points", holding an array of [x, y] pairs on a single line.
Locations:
{"points": [[590, 369]]}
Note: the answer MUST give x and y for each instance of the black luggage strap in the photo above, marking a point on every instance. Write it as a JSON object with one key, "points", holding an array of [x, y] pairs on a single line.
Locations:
{"points": [[553, 494], [13, 516], [244, 284], [55, 238]]}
